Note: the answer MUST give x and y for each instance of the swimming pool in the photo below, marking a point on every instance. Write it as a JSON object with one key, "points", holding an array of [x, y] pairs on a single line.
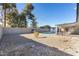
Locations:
{"points": [[49, 33]]}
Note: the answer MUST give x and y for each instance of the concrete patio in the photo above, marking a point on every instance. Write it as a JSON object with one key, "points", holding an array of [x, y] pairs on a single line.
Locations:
{"points": [[17, 45]]}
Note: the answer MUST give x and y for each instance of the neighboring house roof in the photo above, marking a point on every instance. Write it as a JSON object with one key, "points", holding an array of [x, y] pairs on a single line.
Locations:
{"points": [[69, 24]]}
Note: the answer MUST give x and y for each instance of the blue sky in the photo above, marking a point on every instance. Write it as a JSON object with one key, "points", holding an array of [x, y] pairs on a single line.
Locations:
{"points": [[52, 13]]}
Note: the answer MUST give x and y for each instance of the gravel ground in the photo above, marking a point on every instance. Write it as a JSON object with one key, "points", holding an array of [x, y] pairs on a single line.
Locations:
{"points": [[45, 45]]}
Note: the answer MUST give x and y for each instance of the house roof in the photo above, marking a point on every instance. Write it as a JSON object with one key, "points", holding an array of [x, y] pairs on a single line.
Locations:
{"points": [[69, 24]]}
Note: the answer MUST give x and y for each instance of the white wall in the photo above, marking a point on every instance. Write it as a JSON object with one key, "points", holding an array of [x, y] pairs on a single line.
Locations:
{"points": [[16, 30], [20, 30]]}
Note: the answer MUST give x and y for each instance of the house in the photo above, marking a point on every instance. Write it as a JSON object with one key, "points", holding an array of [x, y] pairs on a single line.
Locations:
{"points": [[70, 28]]}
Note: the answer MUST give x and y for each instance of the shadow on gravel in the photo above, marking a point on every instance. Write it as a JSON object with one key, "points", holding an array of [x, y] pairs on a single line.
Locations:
{"points": [[16, 45]]}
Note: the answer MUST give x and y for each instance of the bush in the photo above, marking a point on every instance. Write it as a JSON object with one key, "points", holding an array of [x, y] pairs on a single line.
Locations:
{"points": [[36, 34]]}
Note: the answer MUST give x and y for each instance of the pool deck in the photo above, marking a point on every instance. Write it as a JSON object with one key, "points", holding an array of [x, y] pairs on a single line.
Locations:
{"points": [[45, 45]]}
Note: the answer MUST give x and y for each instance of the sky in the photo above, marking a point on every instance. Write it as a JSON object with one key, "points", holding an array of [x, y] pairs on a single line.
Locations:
{"points": [[52, 13]]}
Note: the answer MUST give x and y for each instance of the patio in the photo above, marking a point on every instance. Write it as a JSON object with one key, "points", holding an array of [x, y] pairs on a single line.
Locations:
{"points": [[28, 45], [18, 45]]}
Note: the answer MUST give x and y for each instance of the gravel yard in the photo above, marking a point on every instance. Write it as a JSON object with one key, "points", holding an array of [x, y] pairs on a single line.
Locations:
{"points": [[45, 45]]}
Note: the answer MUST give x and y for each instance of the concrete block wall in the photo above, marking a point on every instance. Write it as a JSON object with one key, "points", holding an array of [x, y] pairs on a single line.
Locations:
{"points": [[16, 30]]}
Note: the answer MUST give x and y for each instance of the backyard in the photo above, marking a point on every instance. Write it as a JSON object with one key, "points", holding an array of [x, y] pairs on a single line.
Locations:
{"points": [[30, 29], [44, 45]]}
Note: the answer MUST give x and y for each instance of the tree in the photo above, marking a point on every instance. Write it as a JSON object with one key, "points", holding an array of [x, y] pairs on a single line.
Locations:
{"points": [[22, 20], [5, 7], [14, 19], [15, 15], [46, 27], [12, 16], [28, 8], [26, 13], [19, 20], [33, 21]]}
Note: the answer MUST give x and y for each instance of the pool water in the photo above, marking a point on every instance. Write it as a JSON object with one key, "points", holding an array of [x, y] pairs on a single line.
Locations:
{"points": [[45, 34], [48, 33]]}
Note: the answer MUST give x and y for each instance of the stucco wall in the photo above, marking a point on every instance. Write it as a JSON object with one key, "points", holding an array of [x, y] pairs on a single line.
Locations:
{"points": [[16, 30], [76, 31]]}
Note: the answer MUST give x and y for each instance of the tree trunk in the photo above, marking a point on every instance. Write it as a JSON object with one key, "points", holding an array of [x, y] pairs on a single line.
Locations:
{"points": [[4, 18], [25, 23], [4, 15]]}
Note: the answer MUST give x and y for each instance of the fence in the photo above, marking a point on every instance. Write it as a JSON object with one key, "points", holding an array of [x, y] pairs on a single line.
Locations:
{"points": [[16, 30]]}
